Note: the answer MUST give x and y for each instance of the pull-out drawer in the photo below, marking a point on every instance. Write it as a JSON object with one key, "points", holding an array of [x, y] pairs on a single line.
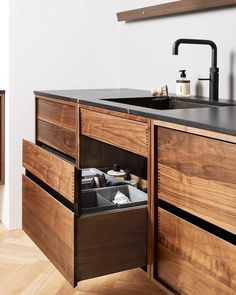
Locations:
{"points": [[193, 261], [54, 171], [127, 134], [51, 226], [80, 245], [198, 174], [111, 241], [56, 125]]}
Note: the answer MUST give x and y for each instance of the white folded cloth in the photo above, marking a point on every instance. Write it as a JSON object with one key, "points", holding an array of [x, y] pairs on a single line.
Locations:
{"points": [[120, 198]]}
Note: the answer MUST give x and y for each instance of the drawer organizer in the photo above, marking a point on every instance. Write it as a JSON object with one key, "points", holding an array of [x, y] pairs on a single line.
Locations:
{"points": [[101, 199]]}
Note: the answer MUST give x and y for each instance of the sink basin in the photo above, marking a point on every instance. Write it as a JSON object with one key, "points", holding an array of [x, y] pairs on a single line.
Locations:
{"points": [[166, 103]]}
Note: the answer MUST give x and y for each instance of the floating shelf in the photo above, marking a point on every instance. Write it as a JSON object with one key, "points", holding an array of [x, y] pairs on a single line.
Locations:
{"points": [[173, 8]]}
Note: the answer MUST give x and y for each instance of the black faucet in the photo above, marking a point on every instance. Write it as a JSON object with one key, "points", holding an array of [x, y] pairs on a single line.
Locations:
{"points": [[214, 70]]}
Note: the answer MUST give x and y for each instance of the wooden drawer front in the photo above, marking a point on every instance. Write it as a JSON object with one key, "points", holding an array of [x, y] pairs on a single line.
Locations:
{"points": [[51, 226], [198, 175], [54, 171], [59, 114], [57, 137], [192, 261], [111, 242], [124, 133]]}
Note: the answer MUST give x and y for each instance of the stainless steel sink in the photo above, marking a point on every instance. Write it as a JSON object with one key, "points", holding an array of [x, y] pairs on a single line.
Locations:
{"points": [[167, 103]]}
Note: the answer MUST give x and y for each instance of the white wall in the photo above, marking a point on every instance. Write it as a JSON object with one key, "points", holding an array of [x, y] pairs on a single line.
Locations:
{"points": [[4, 85], [56, 44], [145, 48], [60, 44]]}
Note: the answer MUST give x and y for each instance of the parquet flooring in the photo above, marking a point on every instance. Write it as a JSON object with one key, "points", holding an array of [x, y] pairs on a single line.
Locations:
{"points": [[24, 270]]}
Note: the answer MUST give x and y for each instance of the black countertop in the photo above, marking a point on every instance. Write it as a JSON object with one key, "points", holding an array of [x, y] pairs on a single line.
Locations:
{"points": [[90, 94], [219, 119]]}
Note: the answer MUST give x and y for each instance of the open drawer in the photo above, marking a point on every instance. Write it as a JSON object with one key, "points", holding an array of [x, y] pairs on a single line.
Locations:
{"points": [[51, 226], [80, 245], [59, 174]]}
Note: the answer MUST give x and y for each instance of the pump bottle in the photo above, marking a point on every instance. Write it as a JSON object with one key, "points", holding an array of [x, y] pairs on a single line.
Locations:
{"points": [[183, 85]]}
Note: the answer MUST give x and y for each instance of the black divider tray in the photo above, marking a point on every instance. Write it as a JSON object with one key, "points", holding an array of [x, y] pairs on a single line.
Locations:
{"points": [[91, 202], [96, 200]]}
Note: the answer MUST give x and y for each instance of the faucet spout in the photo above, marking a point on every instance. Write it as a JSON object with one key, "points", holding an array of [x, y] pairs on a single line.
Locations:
{"points": [[175, 48], [214, 70]]}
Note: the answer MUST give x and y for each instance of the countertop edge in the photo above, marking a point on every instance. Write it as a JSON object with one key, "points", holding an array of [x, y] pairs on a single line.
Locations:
{"points": [[163, 117], [56, 96], [143, 112]]}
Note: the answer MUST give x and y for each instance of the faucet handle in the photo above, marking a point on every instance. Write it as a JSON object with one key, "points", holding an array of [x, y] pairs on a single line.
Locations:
{"points": [[204, 79]]}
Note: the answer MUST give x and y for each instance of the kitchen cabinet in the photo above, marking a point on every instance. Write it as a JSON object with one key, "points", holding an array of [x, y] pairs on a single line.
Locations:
{"points": [[194, 212], [184, 237], [82, 244]]}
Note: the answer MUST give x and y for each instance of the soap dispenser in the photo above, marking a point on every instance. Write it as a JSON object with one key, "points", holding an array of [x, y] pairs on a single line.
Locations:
{"points": [[182, 85]]}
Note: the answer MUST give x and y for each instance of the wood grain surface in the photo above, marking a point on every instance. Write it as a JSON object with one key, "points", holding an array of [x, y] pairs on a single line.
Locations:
{"points": [[173, 8], [60, 138], [62, 115], [124, 133], [197, 131], [193, 261], [111, 241], [54, 171], [151, 200], [198, 175], [115, 113], [51, 226], [59, 99]]}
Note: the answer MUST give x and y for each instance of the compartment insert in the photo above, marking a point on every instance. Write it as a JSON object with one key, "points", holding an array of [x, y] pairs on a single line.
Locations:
{"points": [[96, 200]]}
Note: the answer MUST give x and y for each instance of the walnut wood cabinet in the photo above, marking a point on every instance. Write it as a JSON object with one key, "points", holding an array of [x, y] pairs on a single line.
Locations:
{"points": [[185, 236], [80, 245], [194, 189]]}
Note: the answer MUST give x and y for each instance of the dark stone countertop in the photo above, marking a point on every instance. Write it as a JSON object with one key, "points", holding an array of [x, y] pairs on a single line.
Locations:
{"points": [[218, 119], [90, 94], [2, 91]]}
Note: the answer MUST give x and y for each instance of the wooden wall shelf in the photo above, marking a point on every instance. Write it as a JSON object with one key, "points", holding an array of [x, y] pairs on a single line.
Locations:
{"points": [[173, 8]]}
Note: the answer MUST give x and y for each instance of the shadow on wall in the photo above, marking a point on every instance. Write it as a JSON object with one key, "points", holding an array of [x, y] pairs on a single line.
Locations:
{"points": [[199, 89], [231, 76]]}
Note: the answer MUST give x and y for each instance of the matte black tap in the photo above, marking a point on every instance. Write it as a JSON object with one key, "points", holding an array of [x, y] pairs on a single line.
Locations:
{"points": [[214, 70]]}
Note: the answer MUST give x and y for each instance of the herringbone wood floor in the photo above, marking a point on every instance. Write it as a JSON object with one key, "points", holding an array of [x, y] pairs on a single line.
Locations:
{"points": [[24, 270]]}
